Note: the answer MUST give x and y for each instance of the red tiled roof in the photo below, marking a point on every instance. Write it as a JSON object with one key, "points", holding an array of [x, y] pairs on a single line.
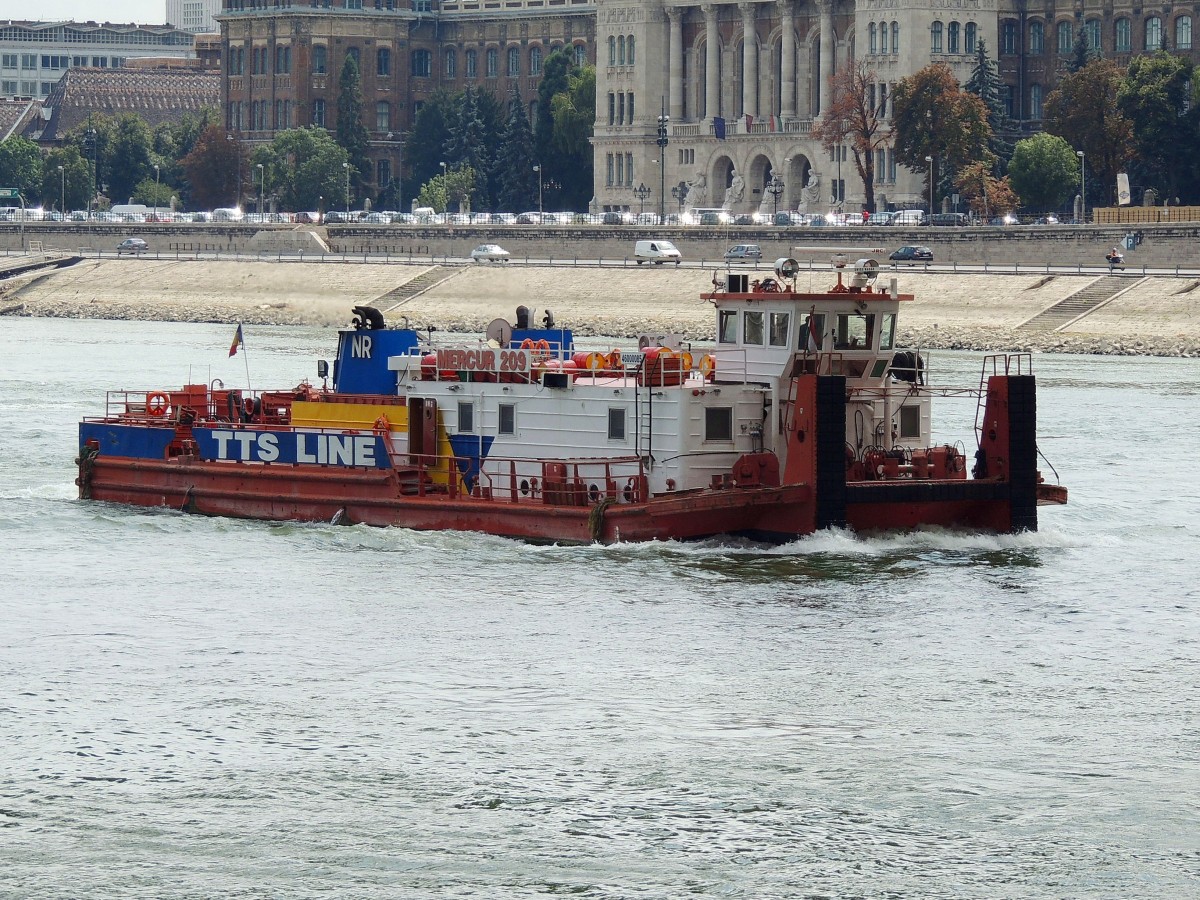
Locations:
{"points": [[15, 115]]}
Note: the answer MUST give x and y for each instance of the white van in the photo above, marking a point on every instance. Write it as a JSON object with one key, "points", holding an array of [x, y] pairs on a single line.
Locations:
{"points": [[908, 217], [657, 252]]}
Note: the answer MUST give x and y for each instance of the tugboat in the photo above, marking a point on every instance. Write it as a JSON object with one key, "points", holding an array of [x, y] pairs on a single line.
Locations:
{"points": [[804, 415]]}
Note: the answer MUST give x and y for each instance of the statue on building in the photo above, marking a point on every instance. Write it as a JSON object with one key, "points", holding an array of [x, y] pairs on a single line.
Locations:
{"points": [[697, 190], [810, 196], [736, 190]]}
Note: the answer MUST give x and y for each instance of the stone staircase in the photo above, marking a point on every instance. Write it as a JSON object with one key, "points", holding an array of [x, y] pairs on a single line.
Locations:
{"points": [[1080, 303], [414, 287]]}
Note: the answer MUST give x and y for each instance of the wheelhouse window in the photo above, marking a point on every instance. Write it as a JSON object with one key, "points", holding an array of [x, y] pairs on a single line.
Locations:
{"points": [[727, 330], [853, 331], [778, 336], [718, 424], [616, 424], [508, 419], [812, 332], [887, 332], [466, 418], [753, 328]]}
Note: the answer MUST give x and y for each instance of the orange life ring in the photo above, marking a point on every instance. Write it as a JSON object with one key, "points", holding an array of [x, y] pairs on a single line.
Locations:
{"points": [[527, 344], [686, 361], [157, 403], [596, 361], [708, 365], [543, 344]]}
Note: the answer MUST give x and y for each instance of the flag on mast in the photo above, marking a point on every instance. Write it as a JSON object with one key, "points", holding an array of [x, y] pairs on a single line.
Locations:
{"points": [[237, 341]]}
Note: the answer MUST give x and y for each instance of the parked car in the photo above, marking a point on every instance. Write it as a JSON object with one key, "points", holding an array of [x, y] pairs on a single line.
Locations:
{"points": [[912, 255], [743, 251], [489, 253], [132, 245], [1006, 219], [1046, 220], [880, 218], [951, 220], [657, 252]]}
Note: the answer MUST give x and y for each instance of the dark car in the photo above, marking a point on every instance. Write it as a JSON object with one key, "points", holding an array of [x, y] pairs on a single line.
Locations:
{"points": [[912, 254], [132, 245]]}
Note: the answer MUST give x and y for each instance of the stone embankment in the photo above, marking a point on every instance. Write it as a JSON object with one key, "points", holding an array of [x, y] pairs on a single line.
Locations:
{"points": [[1146, 316]]}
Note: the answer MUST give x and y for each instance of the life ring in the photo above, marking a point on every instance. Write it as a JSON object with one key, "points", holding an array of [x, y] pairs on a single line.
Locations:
{"points": [[615, 363], [383, 425], [157, 403], [708, 365], [543, 344], [527, 344], [595, 361], [686, 361], [248, 406]]}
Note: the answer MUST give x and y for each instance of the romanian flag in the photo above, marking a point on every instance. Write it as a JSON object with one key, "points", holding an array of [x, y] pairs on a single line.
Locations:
{"points": [[814, 335], [237, 342]]}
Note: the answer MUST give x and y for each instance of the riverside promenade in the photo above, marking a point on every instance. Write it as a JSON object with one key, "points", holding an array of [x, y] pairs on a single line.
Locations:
{"points": [[1124, 314]]}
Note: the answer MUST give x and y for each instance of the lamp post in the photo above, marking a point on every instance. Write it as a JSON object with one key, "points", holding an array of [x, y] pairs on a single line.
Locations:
{"points": [[537, 170], [321, 209], [1082, 185], [929, 159], [679, 192], [346, 166], [237, 188], [641, 192], [663, 121], [775, 188], [262, 189], [156, 192], [62, 173], [90, 144]]}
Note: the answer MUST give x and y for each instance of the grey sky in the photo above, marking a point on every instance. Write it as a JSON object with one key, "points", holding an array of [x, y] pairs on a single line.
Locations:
{"points": [[142, 12]]}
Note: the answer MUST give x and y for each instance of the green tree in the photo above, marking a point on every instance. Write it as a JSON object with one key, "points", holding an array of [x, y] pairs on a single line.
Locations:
{"points": [[493, 114], [574, 115], [933, 116], [1157, 98], [517, 188], [21, 168], [95, 139], [1081, 53], [984, 83], [556, 79], [212, 169], [424, 151], [1044, 172], [1083, 111], [433, 194], [130, 160], [466, 148], [854, 116], [301, 166], [75, 179], [352, 134]]}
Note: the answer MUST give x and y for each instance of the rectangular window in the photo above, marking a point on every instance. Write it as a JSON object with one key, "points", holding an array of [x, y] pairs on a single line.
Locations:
{"points": [[9, 60], [620, 168], [28, 60], [1008, 40], [629, 106], [383, 116], [628, 169], [318, 117], [887, 333], [608, 162], [616, 424], [753, 328], [718, 424], [1037, 38], [620, 109], [508, 419], [612, 108], [727, 330], [1122, 37], [910, 422], [8, 88], [935, 38], [466, 418], [853, 332], [780, 322]]}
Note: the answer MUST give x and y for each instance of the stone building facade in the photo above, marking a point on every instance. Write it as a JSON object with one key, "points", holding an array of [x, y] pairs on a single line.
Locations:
{"points": [[744, 82], [282, 63]]}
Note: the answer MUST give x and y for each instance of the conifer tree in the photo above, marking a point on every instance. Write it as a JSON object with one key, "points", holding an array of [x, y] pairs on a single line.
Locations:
{"points": [[984, 83], [466, 147], [517, 182], [351, 133]]}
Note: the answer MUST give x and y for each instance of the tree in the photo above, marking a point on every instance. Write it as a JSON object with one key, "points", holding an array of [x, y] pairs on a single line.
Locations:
{"points": [[130, 160], [424, 151], [556, 72], [301, 166], [933, 116], [855, 115], [460, 186], [212, 169], [984, 83], [984, 193], [466, 147], [517, 184], [1083, 111], [1081, 53], [493, 115], [1157, 99], [75, 180], [21, 168], [352, 134], [1044, 171], [573, 113], [433, 194], [95, 139]]}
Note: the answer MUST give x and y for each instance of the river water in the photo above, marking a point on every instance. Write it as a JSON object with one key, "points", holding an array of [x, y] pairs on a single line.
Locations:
{"points": [[198, 707]]}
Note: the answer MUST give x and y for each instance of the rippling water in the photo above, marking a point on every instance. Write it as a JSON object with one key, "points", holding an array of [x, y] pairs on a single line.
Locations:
{"points": [[202, 707]]}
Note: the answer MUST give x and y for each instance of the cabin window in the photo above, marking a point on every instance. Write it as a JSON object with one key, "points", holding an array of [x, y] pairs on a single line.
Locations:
{"points": [[910, 421], [466, 418], [718, 423], [616, 424], [812, 331], [887, 334], [508, 418], [727, 327], [853, 332], [779, 329], [753, 327]]}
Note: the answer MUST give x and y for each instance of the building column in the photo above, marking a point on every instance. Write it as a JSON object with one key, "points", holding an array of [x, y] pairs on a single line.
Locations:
{"points": [[712, 62], [787, 66], [827, 51], [749, 61], [675, 70]]}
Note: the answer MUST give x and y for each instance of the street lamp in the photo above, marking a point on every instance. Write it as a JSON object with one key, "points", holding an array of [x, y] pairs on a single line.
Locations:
{"points": [[679, 192], [929, 159], [663, 121], [237, 190], [641, 192], [262, 189], [1082, 184], [538, 171], [775, 188], [156, 192], [90, 144], [62, 173], [346, 166]]}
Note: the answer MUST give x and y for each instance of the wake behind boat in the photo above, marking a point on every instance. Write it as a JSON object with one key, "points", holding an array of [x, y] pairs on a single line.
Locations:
{"points": [[803, 416]]}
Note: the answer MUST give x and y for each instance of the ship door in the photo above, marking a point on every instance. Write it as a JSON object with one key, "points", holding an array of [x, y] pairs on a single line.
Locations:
{"points": [[422, 431]]}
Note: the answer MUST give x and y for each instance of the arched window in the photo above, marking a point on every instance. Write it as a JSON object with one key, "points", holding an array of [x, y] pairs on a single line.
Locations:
{"points": [[320, 59], [1063, 42], [422, 63], [493, 62], [580, 55], [935, 37], [612, 50], [621, 50], [895, 37], [1035, 101], [1153, 33], [872, 38], [514, 61], [970, 34], [629, 50], [535, 60], [952, 37], [383, 61], [1123, 40], [1183, 33], [472, 63], [1037, 37], [1091, 32], [449, 63]]}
